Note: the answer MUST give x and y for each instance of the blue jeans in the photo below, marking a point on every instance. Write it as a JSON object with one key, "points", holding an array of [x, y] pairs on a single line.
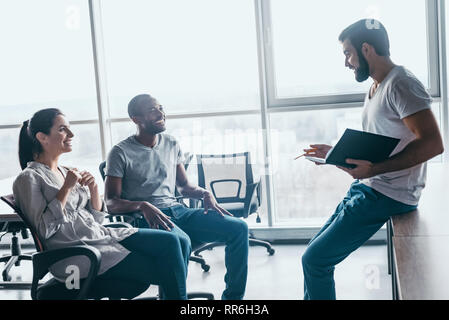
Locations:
{"points": [[157, 257], [361, 214], [211, 227]]}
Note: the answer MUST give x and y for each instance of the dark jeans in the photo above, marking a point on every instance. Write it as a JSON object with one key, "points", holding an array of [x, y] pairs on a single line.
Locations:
{"points": [[212, 227], [361, 214], [157, 257]]}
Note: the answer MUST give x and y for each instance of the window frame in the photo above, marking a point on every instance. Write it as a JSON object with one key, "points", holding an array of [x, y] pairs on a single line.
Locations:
{"points": [[318, 101], [436, 42]]}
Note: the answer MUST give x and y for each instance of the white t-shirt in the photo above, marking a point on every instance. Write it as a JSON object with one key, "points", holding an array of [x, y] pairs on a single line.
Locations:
{"points": [[398, 96]]}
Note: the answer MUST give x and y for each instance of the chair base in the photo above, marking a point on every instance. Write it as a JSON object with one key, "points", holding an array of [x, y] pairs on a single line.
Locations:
{"points": [[266, 244], [252, 242], [200, 260], [15, 285], [200, 295], [12, 260]]}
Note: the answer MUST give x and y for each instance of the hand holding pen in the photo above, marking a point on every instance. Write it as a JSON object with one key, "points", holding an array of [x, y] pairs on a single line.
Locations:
{"points": [[316, 150]]}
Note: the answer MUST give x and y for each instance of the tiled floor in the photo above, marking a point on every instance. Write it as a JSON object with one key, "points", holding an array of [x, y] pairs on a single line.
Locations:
{"points": [[362, 276]]}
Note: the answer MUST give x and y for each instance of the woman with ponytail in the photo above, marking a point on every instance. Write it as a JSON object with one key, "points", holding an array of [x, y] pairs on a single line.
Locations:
{"points": [[64, 206]]}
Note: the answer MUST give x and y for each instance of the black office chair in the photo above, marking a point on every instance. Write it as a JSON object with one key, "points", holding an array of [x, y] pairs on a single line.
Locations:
{"points": [[230, 179], [16, 255], [91, 287]]}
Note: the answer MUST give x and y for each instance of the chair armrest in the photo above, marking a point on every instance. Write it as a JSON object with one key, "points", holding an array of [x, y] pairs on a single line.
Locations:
{"points": [[180, 199], [132, 216], [239, 182], [251, 196], [118, 225], [42, 261], [259, 192]]}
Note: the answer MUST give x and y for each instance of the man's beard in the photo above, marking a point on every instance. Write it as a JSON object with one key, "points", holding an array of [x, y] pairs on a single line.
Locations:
{"points": [[152, 130], [362, 72]]}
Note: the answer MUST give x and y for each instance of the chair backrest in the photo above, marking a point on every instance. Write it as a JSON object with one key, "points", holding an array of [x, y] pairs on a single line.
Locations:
{"points": [[188, 159], [101, 168], [225, 175], [9, 199]]}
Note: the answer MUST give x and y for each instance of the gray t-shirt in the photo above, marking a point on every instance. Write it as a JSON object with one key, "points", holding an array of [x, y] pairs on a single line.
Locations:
{"points": [[398, 96], [148, 174]]}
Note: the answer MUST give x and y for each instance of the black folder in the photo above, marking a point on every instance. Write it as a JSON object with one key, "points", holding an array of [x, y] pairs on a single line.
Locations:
{"points": [[359, 145]]}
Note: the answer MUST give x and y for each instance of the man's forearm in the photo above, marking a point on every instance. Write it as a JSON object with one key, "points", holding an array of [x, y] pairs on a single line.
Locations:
{"points": [[416, 152], [191, 191], [122, 205]]}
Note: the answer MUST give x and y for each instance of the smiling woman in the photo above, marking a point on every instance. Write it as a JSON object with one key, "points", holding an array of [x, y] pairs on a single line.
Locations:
{"points": [[35, 133], [65, 208]]}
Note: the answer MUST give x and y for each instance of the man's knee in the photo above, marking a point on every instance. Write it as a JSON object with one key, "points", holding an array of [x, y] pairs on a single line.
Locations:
{"points": [[238, 228], [310, 257], [171, 240], [185, 242], [316, 262]]}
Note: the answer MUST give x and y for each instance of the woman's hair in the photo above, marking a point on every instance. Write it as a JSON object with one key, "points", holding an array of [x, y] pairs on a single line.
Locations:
{"points": [[29, 146]]}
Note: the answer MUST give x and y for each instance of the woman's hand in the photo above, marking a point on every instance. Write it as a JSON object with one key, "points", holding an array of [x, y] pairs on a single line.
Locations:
{"points": [[88, 180], [72, 177]]}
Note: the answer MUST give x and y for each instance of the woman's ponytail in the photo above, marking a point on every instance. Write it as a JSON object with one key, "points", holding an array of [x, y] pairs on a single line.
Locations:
{"points": [[25, 146]]}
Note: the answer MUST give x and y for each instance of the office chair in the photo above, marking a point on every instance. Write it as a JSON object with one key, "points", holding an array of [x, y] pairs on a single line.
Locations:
{"points": [[230, 179], [16, 255], [90, 287]]}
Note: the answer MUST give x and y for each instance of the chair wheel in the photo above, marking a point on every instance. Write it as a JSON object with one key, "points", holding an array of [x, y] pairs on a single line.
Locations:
{"points": [[205, 267], [271, 252]]}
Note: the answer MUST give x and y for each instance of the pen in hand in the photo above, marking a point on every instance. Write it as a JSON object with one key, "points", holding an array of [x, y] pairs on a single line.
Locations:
{"points": [[300, 156], [307, 152]]}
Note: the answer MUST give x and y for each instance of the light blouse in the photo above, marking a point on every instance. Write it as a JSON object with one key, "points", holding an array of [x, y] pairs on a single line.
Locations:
{"points": [[77, 223]]}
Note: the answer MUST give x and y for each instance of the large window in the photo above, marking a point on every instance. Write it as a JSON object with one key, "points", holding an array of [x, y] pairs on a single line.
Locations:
{"points": [[304, 193], [307, 57], [47, 61], [194, 56], [207, 62]]}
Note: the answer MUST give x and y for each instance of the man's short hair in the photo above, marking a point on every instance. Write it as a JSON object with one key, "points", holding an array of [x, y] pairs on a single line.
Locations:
{"points": [[136, 103], [370, 31]]}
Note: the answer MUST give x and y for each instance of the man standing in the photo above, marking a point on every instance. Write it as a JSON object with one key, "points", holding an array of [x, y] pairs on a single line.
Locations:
{"points": [[142, 172], [397, 105]]}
